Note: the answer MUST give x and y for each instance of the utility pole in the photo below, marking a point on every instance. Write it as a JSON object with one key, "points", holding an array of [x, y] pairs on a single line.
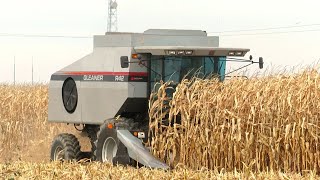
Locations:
{"points": [[14, 70], [112, 25], [32, 70]]}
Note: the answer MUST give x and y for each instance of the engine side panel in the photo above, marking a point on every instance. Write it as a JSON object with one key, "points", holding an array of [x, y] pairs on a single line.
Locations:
{"points": [[102, 100], [103, 86]]}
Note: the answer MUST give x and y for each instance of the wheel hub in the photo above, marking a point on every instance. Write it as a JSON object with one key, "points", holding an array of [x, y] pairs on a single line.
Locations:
{"points": [[109, 150], [58, 154]]}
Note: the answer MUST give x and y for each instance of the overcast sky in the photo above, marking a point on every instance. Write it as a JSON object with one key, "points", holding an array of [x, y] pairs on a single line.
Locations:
{"points": [[87, 18]]}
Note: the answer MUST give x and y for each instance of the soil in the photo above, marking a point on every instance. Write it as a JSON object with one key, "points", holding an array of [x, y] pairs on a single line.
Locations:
{"points": [[35, 149]]}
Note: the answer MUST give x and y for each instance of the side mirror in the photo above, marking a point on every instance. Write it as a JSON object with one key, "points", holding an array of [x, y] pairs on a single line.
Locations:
{"points": [[124, 61], [261, 62], [139, 56]]}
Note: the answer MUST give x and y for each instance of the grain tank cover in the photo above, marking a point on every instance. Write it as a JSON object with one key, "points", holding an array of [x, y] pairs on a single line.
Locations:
{"points": [[172, 32], [157, 37]]}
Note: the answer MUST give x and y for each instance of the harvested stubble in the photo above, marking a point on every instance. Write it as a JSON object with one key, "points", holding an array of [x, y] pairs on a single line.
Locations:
{"points": [[257, 124], [20, 170]]}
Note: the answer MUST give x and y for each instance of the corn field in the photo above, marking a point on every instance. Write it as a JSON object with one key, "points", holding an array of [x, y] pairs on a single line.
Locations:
{"points": [[23, 121], [260, 124], [261, 128]]}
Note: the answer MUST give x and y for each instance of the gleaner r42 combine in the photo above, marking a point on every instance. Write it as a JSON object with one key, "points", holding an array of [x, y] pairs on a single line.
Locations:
{"points": [[108, 90]]}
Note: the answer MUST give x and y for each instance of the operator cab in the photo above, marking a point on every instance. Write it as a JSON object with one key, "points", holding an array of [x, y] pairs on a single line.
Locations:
{"points": [[176, 68], [176, 63]]}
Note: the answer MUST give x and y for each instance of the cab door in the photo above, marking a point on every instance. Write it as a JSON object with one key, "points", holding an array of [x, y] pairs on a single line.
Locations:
{"points": [[156, 67]]}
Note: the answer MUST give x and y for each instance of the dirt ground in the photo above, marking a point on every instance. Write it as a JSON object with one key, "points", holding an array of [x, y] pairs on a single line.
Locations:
{"points": [[37, 147]]}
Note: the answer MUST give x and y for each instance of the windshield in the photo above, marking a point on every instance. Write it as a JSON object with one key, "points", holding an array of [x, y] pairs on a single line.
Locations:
{"points": [[171, 68]]}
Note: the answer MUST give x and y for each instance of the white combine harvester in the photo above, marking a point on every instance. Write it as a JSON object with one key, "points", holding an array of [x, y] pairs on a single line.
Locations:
{"points": [[108, 90]]}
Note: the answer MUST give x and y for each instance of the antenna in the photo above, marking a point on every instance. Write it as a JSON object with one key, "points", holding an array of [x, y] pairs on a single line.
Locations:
{"points": [[112, 16]]}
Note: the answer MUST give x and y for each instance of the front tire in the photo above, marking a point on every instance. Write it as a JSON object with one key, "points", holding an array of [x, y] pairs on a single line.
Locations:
{"points": [[65, 147], [109, 148]]}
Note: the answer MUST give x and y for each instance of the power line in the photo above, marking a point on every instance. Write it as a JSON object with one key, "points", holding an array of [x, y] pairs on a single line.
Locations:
{"points": [[269, 33], [42, 36], [235, 34], [264, 29]]}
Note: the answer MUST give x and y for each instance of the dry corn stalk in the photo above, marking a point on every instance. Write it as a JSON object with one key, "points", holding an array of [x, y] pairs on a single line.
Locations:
{"points": [[23, 120], [257, 124]]}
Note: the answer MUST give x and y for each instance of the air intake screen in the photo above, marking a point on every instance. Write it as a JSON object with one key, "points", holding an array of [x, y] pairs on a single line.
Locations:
{"points": [[70, 95]]}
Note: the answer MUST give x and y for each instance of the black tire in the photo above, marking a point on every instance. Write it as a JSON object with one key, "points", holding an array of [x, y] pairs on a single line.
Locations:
{"points": [[65, 147], [92, 131], [105, 147]]}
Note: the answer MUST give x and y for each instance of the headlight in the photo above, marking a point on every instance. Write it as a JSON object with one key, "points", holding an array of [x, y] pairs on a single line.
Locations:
{"points": [[189, 52], [180, 53], [171, 52], [231, 53], [239, 53]]}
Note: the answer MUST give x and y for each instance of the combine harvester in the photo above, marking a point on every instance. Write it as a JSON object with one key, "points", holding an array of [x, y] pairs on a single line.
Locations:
{"points": [[107, 91]]}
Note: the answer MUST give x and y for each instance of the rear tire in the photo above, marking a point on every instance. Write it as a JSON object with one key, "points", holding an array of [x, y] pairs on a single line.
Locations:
{"points": [[65, 147]]}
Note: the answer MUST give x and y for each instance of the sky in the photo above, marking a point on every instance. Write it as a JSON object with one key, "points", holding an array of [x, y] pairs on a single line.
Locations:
{"points": [[285, 48]]}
